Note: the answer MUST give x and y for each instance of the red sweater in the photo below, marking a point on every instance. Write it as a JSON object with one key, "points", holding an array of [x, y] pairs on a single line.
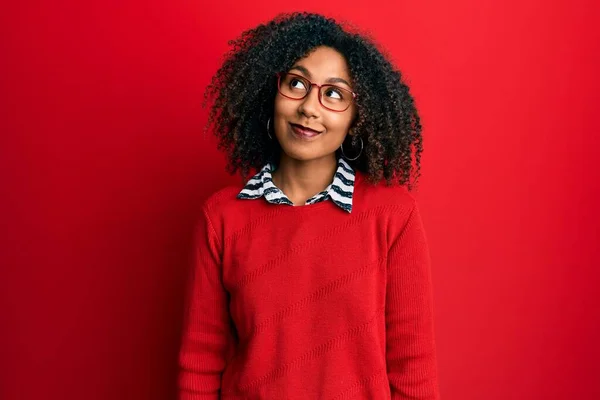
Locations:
{"points": [[310, 302]]}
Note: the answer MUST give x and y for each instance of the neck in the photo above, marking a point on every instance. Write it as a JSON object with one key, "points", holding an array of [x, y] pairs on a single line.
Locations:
{"points": [[301, 180]]}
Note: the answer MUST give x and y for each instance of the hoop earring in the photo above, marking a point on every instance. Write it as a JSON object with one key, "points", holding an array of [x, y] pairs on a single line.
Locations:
{"points": [[268, 128], [359, 153]]}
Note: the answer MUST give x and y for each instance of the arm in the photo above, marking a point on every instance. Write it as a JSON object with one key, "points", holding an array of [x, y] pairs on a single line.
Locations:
{"points": [[410, 345], [207, 335]]}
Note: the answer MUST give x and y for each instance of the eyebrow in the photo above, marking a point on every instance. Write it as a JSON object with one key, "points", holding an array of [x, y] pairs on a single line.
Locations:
{"points": [[308, 75]]}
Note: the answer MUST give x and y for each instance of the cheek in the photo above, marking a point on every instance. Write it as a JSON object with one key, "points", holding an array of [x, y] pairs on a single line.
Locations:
{"points": [[336, 123], [340, 123], [284, 107]]}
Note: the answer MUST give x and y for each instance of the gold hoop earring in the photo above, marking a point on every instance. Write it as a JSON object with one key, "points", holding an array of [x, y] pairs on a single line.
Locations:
{"points": [[269, 128], [359, 153]]}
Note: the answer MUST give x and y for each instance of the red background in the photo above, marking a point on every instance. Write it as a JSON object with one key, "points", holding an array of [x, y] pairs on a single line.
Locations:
{"points": [[103, 165]]}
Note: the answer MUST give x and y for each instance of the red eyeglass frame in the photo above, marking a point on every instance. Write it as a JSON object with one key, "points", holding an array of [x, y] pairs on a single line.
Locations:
{"points": [[280, 74]]}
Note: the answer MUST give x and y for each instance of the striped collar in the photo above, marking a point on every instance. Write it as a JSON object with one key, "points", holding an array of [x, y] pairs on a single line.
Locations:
{"points": [[340, 191]]}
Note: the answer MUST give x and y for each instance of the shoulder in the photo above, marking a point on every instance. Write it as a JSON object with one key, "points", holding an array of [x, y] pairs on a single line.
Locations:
{"points": [[213, 210], [221, 201], [394, 208], [391, 199]]}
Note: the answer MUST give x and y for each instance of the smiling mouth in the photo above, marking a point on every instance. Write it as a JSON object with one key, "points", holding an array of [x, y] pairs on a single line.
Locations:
{"points": [[303, 131]]}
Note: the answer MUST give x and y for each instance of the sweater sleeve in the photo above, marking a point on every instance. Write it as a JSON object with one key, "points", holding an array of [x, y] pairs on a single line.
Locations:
{"points": [[410, 345], [207, 336]]}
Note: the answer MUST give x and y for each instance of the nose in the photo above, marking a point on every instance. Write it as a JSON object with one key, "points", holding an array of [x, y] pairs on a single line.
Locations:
{"points": [[309, 106]]}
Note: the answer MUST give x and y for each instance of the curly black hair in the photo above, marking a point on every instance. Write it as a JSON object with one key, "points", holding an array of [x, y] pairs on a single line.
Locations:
{"points": [[244, 88]]}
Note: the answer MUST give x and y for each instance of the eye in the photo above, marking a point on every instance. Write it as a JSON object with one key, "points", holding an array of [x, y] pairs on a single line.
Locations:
{"points": [[334, 94], [296, 83]]}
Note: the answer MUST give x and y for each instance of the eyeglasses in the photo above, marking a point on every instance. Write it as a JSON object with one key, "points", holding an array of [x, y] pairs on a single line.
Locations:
{"points": [[297, 87]]}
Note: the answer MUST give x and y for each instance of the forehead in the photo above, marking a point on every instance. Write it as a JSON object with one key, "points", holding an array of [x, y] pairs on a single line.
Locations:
{"points": [[325, 62]]}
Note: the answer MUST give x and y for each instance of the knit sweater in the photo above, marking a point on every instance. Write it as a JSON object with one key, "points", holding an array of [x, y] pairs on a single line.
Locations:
{"points": [[310, 302]]}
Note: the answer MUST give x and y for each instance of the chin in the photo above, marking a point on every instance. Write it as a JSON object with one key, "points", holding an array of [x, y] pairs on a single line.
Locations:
{"points": [[301, 155], [304, 151], [305, 154]]}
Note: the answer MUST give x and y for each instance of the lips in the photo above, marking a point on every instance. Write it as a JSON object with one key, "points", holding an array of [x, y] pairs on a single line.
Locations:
{"points": [[304, 132]]}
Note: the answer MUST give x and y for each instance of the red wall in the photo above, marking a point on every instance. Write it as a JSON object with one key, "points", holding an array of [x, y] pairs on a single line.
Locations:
{"points": [[103, 165]]}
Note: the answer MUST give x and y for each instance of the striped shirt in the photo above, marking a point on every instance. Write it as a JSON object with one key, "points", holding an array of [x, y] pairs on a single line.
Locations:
{"points": [[340, 190]]}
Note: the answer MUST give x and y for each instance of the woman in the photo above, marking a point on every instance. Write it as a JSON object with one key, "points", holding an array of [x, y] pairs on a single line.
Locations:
{"points": [[312, 281]]}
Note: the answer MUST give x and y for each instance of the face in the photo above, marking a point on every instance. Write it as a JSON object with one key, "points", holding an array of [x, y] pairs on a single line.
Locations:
{"points": [[326, 128]]}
